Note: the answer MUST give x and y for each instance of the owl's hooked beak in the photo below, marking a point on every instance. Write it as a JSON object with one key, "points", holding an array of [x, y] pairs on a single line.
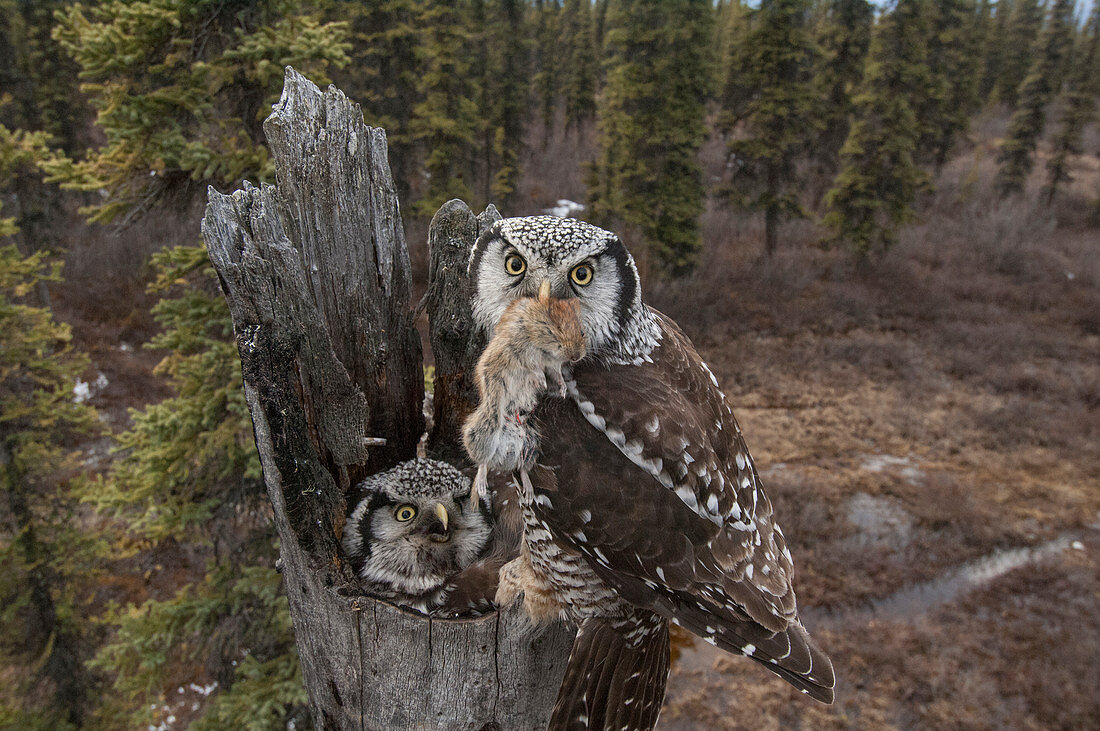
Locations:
{"points": [[438, 531], [547, 289]]}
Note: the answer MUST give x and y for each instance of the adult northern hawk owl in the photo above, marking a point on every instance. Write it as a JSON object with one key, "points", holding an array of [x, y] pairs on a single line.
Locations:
{"points": [[411, 532], [644, 506]]}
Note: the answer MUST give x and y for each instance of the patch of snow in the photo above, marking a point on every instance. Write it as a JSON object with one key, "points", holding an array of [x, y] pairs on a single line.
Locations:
{"points": [[565, 208], [83, 390], [883, 462], [204, 689], [774, 469], [881, 521]]}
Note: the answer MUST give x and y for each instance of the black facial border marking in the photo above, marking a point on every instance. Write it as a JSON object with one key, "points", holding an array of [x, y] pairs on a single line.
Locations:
{"points": [[376, 501], [629, 284], [492, 233]]}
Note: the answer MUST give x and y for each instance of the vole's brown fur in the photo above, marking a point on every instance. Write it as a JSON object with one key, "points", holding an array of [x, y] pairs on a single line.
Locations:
{"points": [[534, 338]]}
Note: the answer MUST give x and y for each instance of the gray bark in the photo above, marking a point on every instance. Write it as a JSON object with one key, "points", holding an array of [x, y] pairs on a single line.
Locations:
{"points": [[456, 342], [317, 277]]}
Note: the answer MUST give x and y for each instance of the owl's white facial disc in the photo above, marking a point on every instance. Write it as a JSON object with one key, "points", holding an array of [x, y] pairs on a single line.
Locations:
{"points": [[612, 315]]}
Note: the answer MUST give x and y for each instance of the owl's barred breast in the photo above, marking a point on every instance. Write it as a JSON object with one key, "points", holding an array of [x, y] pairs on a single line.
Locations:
{"points": [[562, 570]]}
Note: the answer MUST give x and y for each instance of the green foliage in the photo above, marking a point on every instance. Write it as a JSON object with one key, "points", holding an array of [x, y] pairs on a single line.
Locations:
{"points": [[21, 154], [189, 457], [1037, 90], [578, 62], [546, 17], [1078, 106], [445, 122], [38, 84], [382, 73], [650, 120], [1022, 30], [237, 622], [47, 562], [506, 86], [955, 54], [188, 471], [879, 177], [770, 68], [993, 16], [844, 36], [181, 88]]}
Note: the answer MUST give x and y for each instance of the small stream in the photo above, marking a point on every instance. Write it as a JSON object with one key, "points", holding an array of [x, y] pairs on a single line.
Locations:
{"points": [[914, 601]]}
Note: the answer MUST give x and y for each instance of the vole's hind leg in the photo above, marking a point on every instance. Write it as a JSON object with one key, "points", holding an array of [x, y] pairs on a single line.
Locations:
{"points": [[554, 381], [481, 484]]}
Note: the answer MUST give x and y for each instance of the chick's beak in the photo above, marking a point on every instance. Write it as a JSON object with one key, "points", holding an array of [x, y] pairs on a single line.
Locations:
{"points": [[442, 513]]}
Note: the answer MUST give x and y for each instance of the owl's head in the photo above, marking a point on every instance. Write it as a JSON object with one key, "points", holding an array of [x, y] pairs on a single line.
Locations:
{"points": [[516, 255], [412, 528]]}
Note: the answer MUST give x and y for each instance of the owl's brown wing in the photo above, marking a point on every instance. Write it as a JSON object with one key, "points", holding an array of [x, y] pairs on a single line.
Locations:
{"points": [[647, 475]]}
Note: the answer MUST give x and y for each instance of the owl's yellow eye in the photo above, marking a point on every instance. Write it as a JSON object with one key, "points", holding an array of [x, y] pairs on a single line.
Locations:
{"points": [[581, 274], [405, 513], [515, 265]]}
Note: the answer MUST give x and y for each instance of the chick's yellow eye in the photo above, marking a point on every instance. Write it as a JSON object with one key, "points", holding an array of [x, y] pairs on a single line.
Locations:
{"points": [[405, 513], [515, 265], [581, 274]]}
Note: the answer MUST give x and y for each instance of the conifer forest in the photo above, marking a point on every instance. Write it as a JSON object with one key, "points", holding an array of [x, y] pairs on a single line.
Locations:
{"points": [[879, 222]]}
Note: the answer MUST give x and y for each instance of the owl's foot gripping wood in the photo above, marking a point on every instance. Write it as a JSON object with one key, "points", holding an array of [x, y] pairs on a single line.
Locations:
{"points": [[616, 675]]}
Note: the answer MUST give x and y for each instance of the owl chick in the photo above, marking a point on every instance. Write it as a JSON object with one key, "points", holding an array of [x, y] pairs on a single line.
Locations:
{"points": [[534, 339], [411, 532]]}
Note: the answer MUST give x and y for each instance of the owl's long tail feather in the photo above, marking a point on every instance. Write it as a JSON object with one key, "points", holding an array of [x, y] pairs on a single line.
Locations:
{"points": [[791, 654], [616, 675]]}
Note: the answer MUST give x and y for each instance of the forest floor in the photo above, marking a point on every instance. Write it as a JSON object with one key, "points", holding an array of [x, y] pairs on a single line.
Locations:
{"points": [[927, 427]]}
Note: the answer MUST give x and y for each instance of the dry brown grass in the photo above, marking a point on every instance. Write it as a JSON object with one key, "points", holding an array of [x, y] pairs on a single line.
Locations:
{"points": [[969, 355]]}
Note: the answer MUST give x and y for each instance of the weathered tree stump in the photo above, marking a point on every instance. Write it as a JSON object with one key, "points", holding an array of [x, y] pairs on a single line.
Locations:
{"points": [[317, 276]]}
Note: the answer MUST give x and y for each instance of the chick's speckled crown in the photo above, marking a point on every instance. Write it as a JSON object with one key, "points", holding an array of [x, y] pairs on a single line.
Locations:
{"points": [[426, 477]]}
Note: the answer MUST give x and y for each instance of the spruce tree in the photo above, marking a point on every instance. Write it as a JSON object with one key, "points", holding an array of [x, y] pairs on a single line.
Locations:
{"points": [[382, 74], [508, 86], [182, 87], [578, 62], [1021, 34], [732, 21], [445, 122], [47, 561], [1043, 81], [955, 57], [996, 48], [772, 65], [38, 93], [843, 35], [40, 88], [545, 80], [650, 117], [983, 40], [879, 177], [1078, 106]]}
